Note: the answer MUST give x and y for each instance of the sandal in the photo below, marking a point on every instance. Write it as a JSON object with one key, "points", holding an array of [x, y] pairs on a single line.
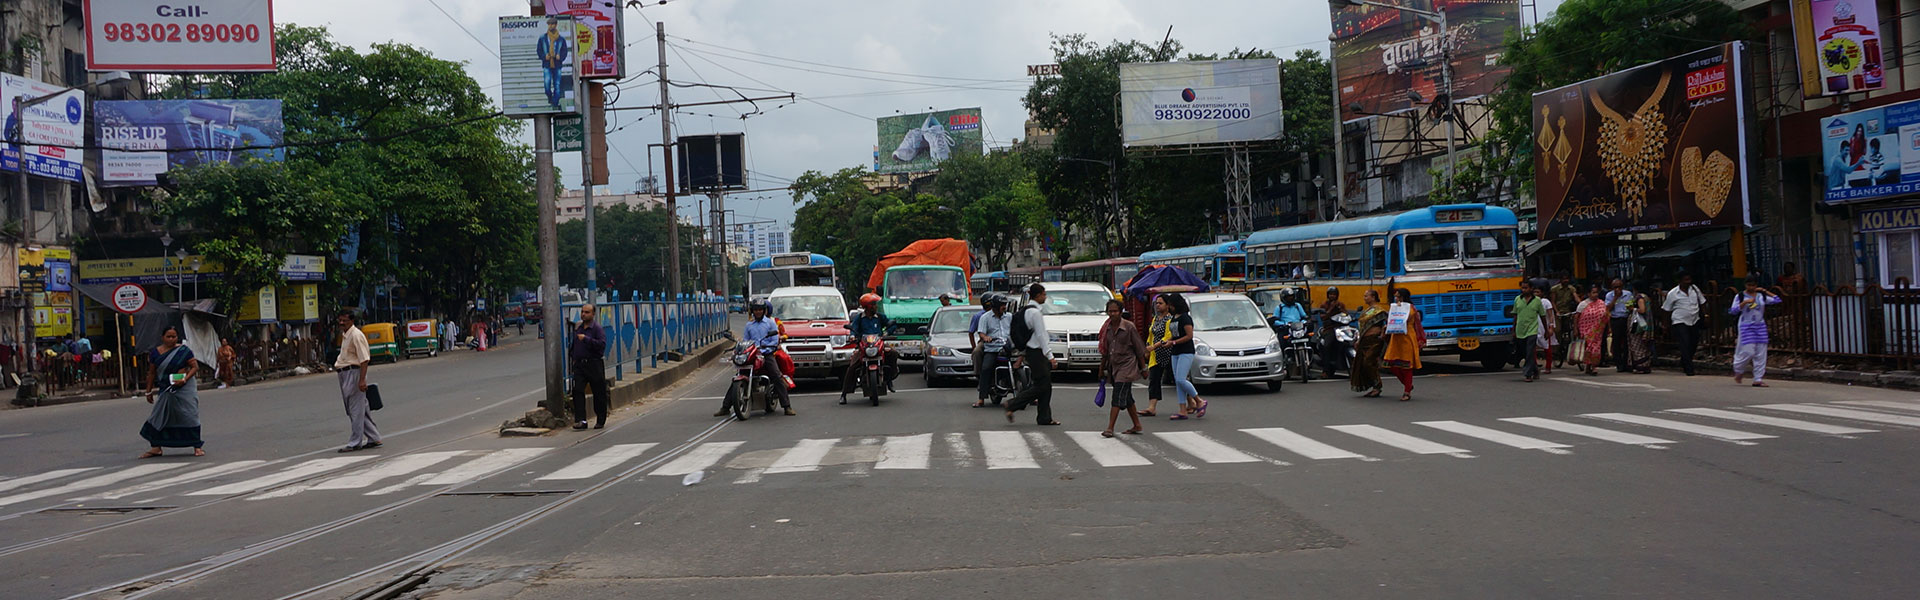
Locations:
{"points": [[199, 452], [149, 454], [1406, 397], [1177, 418], [1050, 424], [1134, 431], [1106, 434], [1202, 412], [980, 404], [1147, 413]]}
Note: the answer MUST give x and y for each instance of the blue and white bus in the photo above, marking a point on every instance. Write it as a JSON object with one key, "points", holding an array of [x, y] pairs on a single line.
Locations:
{"points": [[1461, 262], [788, 270], [1223, 264]]}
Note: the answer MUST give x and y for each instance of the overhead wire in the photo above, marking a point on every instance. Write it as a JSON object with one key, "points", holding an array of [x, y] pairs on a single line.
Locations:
{"points": [[463, 28]]}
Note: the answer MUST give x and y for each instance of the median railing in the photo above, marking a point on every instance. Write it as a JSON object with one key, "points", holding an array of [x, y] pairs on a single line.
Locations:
{"points": [[642, 328]]}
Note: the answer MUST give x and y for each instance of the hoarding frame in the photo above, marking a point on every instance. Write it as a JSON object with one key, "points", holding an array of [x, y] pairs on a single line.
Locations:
{"points": [[1201, 94], [197, 10], [889, 145], [1403, 28], [49, 159], [569, 86], [590, 29], [1865, 40], [147, 115]]}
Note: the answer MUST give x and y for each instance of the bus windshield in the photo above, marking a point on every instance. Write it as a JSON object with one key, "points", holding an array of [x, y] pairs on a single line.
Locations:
{"points": [[1076, 302], [1489, 246], [1439, 246], [925, 283], [809, 308], [1233, 267], [761, 283], [1226, 315], [952, 321]]}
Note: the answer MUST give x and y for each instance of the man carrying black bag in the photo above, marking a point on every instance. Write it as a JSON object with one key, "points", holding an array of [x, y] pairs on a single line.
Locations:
{"points": [[588, 351], [351, 366]]}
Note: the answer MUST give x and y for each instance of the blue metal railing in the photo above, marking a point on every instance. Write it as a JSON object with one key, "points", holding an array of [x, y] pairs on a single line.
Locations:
{"points": [[644, 326]]}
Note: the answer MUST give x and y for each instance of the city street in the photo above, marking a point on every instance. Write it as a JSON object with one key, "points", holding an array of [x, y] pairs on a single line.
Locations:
{"points": [[1483, 487]]}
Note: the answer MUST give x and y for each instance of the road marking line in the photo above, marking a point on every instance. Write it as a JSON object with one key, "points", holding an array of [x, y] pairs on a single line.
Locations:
{"points": [[104, 479], [1046, 449], [911, 452], [1135, 442], [1205, 448], [209, 472], [305, 469], [1496, 436], [1302, 445], [1891, 404], [865, 448], [697, 459], [1109, 452], [1608, 435], [403, 484], [1731, 435], [804, 456], [600, 461], [957, 446], [1771, 421], [484, 466], [392, 468], [1006, 450], [1845, 413], [1401, 440], [47, 476]]}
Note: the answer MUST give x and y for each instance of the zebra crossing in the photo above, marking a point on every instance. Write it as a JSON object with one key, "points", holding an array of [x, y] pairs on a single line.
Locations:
{"points": [[982, 451]]}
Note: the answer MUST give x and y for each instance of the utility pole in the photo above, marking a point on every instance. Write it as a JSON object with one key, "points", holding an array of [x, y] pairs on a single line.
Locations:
{"points": [[716, 201], [550, 311], [588, 129], [666, 153]]}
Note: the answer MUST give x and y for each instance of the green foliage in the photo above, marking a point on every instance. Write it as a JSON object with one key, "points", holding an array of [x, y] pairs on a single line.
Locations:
{"points": [[631, 249], [841, 218], [251, 216]]}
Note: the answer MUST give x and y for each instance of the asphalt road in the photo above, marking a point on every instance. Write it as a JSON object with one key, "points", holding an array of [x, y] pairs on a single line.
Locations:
{"points": [[1483, 487]]}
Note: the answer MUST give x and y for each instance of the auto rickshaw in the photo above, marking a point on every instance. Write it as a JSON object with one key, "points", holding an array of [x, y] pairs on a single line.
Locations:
{"points": [[423, 338], [381, 342]]}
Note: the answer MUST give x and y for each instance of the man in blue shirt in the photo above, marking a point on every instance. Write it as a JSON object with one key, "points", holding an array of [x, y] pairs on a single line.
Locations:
{"points": [[864, 322], [990, 334], [588, 351], [1620, 310], [555, 51], [1289, 311], [764, 333]]}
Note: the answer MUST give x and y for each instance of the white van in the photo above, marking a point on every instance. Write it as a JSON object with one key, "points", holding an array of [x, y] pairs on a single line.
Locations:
{"points": [[1074, 313]]}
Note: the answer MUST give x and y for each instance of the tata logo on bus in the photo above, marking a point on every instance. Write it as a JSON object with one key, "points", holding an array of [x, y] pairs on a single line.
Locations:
{"points": [[963, 122], [1706, 82], [1465, 286]]}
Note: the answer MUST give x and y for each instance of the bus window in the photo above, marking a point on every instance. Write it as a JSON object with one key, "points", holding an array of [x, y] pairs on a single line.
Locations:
{"points": [[1323, 261], [1379, 258], [1393, 256], [1432, 247], [1489, 246], [1356, 259], [1233, 267]]}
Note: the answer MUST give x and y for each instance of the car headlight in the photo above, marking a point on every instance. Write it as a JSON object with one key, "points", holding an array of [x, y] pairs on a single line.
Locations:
{"points": [[1273, 346], [1203, 350], [839, 340], [1056, 337], [897, 330], [938, 351]]}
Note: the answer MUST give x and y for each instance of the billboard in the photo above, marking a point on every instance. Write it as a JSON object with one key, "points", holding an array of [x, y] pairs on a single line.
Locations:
{"points": [[1838, 46], [141, 135], [1872, 153], [921, 141], [1199, 102], [1381, 54], [168, 36], [600, 40], [710, 163], [537, 66], [59, 122], [1661, 146]]}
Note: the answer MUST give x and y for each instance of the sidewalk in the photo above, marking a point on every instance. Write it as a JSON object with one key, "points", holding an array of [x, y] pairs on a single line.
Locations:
{"points": [[1786, 367]]}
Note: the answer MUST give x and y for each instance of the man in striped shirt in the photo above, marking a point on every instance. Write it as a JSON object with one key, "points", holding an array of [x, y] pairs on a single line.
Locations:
{"points": [[1751, 354]]}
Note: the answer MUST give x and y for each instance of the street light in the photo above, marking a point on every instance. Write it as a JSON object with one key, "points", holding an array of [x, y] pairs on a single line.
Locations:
{"points": [[1438, 17]]}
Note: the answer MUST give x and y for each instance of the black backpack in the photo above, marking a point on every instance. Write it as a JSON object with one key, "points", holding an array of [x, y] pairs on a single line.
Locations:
{"points": [[1020, 331]]}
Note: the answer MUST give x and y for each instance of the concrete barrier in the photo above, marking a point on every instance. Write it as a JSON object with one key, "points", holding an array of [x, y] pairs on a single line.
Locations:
{"points": [[633, 390]]}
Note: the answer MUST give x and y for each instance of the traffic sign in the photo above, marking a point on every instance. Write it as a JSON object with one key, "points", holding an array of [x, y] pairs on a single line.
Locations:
{"points": [[569, 134], [129, 298]]}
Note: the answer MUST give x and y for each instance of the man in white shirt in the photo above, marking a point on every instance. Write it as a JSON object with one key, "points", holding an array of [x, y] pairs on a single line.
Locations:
{"points": [[1683, 303], [351, 367], [1039, 390]]}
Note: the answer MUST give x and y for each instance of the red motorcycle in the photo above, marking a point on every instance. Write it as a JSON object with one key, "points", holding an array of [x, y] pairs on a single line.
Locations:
{"points": [[870, 354], [753, 380]]}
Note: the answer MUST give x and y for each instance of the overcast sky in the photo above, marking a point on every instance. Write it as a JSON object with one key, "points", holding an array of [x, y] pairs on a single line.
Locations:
{"points": [[927, 55]]}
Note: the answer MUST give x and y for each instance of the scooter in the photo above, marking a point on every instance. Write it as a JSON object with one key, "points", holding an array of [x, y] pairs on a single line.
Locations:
{"points": [[1341, 342], [752, 383]]}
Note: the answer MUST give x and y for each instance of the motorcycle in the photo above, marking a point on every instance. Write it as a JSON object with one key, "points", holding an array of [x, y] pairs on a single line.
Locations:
{"points": [[1007, 379], [1298, 347], [872, 353], [753, 380], [1338, 348]]}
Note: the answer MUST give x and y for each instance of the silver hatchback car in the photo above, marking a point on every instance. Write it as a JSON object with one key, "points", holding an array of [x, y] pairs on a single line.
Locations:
{"points": [[949, 351]]}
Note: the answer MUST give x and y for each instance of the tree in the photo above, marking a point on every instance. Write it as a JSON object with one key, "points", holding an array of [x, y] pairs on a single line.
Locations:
{"points": [[251, 216], [632, 247], [993, 223], [841, 218]]}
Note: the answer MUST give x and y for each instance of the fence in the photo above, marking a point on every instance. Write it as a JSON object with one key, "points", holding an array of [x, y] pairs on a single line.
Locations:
{"points": [[643, 327], [1878, 326], [1823, 257]]}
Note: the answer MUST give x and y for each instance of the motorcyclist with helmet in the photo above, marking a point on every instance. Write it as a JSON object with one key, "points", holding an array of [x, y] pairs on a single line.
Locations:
{"points": [[991, 338], [764, 333], [866, 321], [1290, 310]]}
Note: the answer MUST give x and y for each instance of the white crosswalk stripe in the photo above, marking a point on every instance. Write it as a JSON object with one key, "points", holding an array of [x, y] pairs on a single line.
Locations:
{"points": [[1731, 435], [1607, 435], [1771, 421], [183, 478], [1109, 452], [1845, 413], [1205, 448], [912, 452], [1496, 436], [486, 465], [1300, 444], [599, 462], [37, 478], [1399, 440], [392, 468], [700, 458], [296, 472], [1007, 450], [804, 456], [101, 480], [957, 446], [1888, 404]]}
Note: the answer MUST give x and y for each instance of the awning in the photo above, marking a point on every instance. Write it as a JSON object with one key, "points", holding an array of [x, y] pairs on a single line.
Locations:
{"points": [[1535, 246], [1687, 247]]}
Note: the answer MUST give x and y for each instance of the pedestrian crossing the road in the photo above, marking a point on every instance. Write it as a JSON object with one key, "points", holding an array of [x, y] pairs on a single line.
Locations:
{"points": [[990, 451]]}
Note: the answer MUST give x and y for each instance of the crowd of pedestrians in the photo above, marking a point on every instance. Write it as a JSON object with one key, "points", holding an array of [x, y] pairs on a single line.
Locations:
{"points": [[1622, 325]]}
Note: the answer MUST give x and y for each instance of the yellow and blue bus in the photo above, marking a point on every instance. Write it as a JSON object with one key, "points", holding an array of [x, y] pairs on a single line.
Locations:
{"points": [[1223, 264], [1460, 261], [788, 270]]}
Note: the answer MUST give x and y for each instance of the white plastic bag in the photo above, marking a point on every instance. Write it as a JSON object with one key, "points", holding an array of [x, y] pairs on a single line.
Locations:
{"points": [[1397, 315]]}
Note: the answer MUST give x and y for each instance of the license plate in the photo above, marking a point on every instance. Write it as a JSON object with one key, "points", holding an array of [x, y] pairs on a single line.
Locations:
{"points": [[1240, 365], [1086, 352], [1469, 343]]}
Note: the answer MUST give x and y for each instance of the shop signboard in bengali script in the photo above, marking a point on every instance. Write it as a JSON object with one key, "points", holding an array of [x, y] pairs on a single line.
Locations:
{"points": [[1653, 148], [1381, 53]]}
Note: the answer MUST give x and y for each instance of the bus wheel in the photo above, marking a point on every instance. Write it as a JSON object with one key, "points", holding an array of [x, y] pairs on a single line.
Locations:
{"points": [[1493, 357]]}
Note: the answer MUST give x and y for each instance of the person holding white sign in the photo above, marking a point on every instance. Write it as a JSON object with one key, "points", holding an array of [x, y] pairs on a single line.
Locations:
{"points": [[1405, 338]]}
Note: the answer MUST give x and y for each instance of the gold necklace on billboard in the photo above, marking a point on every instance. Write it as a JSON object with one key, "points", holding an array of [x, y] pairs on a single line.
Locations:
{"points": [[1631, 147]]}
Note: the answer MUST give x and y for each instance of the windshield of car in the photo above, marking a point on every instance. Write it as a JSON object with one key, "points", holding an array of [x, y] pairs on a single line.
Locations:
{"points": [[1229, 314], [952, 321], [1433, 247], [926, 283], [1076, 302], [808, 308], [1491, 246]]}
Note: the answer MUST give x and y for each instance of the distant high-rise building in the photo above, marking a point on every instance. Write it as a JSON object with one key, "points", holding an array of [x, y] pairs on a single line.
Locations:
{"points": [[763, 239]]}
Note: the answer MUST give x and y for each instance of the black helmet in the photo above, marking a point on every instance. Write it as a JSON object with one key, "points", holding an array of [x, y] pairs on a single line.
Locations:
{"points": [[760, 304]]}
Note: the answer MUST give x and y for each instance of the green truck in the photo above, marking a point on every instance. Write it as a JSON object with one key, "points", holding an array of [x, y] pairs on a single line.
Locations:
{"points": [[908, 297]]}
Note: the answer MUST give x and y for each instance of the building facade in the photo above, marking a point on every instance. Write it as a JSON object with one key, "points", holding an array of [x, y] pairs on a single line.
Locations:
{"points": [[760, 240], [571, 205]]}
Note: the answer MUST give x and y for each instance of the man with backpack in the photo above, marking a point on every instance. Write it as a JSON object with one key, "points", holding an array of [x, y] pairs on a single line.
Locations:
{"points": [[1030, 336]]}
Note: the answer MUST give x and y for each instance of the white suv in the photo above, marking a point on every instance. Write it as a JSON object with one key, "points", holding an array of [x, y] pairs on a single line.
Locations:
{"points": [[1074, 313]]}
